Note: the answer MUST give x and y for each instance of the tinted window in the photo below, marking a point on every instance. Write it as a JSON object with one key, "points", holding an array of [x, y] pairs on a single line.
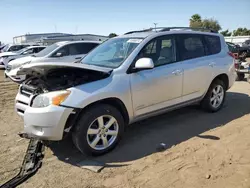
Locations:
{"points": [[74, 49], [38, 49], [85, 48], [16, 48], [190, 46], [213, 44], [63, 50], [29, 51], [161, 51]]}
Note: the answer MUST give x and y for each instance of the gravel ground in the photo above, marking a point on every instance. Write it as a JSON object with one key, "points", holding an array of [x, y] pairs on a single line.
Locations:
{"points": [[202, 149]]}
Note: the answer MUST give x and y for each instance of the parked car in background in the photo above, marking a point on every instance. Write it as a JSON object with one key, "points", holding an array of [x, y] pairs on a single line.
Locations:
{"points": [[246, 43], [240, 54], [1, 47], [59, 52], [239, 51], [126, 79], [6, 57], [14, 47]]}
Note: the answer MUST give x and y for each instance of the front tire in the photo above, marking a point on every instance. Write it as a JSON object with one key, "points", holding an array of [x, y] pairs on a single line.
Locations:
{"points": [[215, 97], [98, 130]]}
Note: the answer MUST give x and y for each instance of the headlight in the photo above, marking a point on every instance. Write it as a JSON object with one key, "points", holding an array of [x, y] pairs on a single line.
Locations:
{"points": [[14, 66], [52, 98]]}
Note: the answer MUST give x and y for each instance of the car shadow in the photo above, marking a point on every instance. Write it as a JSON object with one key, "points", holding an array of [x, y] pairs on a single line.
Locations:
{"points": [[143, 138]]}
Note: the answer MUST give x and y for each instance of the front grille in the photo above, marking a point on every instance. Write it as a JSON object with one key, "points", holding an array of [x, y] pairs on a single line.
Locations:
{"points": [[25, 91], [22, 102]]}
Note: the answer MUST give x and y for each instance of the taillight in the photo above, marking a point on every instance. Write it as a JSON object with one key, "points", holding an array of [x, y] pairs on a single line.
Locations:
{"points": [[231, 54]]}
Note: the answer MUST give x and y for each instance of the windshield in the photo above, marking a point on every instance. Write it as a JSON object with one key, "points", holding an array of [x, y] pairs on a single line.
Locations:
{"points": [[111, 53], [46, 50]]}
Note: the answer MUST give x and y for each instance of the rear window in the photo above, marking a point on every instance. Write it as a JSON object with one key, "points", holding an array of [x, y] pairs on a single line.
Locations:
{"points": [[213, 44], [85, 48]]}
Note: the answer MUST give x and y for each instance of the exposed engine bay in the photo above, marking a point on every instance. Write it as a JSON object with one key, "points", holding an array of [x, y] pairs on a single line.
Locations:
{"points": [[60, 78]]}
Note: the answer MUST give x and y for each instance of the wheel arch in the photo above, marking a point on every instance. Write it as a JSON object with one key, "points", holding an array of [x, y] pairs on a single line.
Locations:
{"points": [[224, 78], [113, 101]]}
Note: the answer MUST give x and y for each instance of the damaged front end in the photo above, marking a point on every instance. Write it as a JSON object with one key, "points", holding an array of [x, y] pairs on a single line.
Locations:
{"points": [[52, 121], [47, 77]]}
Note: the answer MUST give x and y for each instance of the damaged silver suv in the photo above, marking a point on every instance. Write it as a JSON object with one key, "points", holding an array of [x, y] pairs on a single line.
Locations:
{"points": [[124, 80]]}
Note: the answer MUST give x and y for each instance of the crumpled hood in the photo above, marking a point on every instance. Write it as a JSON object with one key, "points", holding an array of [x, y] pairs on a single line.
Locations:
{"points": [[35, 69], [7, 54]]}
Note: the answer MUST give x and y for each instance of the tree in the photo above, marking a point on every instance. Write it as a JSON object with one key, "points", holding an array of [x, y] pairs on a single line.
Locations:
{"points": [[196, 21], [211, 24], [241, 32], [111, 35], [226, 33]]}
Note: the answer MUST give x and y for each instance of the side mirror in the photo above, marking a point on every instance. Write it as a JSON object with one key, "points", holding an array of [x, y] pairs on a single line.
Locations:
{"points": [[143, 64], [58, 54]]}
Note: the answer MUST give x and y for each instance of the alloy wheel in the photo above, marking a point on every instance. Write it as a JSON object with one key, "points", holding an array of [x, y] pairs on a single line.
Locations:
{"points": [[102, 132]]}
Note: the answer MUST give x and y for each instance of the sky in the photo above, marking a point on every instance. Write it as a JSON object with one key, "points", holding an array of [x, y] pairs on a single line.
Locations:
{"points": [[102, 17]]}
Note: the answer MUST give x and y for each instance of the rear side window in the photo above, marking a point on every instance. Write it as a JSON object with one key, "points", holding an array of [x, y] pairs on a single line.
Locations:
{"points": [[85, 48], [213, 44], [190, 46]]}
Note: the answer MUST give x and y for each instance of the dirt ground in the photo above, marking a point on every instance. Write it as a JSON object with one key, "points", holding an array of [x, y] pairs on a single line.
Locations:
{"points": [[202, 149]]}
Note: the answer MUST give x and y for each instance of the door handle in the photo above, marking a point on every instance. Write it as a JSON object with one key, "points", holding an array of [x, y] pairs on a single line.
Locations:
{"points": [[212, 64], [177, 72], [78, 57]]}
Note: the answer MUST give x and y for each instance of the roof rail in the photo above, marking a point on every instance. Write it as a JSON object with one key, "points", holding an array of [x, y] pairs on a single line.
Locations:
{"points": [[139, 31], [160, 29], [189, 28]]}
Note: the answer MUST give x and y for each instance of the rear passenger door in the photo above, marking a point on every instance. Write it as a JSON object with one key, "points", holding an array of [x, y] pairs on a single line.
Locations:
{"points": [[197, 67]]}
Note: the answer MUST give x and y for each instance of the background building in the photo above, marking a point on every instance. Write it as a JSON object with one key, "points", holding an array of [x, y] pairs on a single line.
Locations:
{"points": [[34, 38], [50, 38], [89, 37], [237, 39]]}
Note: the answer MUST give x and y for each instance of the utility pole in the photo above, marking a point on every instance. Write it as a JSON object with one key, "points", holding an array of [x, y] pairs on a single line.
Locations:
{"points": [[55, 28], [155, 25]]}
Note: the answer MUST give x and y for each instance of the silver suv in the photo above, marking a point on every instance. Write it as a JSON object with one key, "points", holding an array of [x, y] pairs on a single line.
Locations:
{"points": [[124, 80]]}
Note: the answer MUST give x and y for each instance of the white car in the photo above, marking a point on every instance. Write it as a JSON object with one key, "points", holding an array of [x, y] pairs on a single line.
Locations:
{"points": [[59, 52], [14, 47], [126, 79], [6, 57]]}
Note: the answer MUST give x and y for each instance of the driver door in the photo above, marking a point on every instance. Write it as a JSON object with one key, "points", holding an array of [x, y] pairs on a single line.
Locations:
{"points": [[161, 86]]}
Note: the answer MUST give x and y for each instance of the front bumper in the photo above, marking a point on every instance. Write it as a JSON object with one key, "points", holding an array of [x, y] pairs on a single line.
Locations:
{"points": [[46, 123]]}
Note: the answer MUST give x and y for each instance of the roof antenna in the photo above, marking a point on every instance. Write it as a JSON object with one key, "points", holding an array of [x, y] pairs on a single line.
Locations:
{"points": [[155, 25]]}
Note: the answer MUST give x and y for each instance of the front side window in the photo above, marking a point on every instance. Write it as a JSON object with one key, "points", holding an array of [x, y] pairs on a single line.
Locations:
{"points": [[190, 46], [112, 53], [64, 51], [160, 50], [29, 51]]}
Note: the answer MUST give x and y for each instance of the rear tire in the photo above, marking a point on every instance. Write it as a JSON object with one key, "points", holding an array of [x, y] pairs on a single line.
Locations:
{"points": [[215, 97], [94, 133]]}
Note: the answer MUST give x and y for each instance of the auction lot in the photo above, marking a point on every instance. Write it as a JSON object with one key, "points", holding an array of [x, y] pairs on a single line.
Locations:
{"points": [[202, 149]]}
